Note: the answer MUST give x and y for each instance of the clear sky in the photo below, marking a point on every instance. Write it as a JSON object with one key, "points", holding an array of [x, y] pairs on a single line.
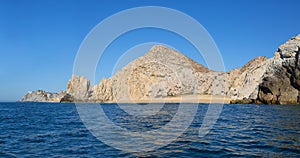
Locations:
{"points": [[39, 39]]}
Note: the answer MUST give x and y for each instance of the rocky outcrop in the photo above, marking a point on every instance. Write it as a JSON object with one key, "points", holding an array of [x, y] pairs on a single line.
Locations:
{"points": [[281, 81], [67, 98], [245, 81], [43, 96], [79, 88], [164, 72], [103, 91]]}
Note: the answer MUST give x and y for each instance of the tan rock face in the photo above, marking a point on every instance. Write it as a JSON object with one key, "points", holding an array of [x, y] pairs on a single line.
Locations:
{"points": [[244, 81], [153, 80], [43, 96], [103, 91], [161, 72], [79, 88], [211, 83], [164, 72]]}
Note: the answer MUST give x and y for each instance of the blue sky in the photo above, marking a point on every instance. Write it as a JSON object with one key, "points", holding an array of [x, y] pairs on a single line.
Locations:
{"points": [[39, 39]]}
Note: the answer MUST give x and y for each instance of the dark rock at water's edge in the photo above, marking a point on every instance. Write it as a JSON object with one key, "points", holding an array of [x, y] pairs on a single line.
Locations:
{"points": [[281, 82], [164, 72], [245, 101], [67, 99]]}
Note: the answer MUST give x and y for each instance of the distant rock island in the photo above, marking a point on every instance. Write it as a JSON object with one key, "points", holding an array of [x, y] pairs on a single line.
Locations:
{"points": [[164, 74]]}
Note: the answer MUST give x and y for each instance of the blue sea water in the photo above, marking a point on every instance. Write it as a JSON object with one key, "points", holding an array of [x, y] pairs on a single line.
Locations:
{"points": [[56, 130]]}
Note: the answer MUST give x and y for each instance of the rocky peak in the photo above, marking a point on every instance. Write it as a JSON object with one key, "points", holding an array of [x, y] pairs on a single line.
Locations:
{"points": [[163, 51], [160, 72], [290, 49], [79, 88], [164, 54], [253, 63]]}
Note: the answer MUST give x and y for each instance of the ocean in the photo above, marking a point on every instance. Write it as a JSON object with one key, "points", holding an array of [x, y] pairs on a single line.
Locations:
{"points": [[57, 130]]}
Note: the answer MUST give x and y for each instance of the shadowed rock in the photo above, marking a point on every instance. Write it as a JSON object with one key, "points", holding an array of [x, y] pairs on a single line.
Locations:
{"points": [[281, 81]]}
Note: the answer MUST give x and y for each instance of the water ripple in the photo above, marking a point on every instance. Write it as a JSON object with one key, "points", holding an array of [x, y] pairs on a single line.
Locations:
{"points": [[55, 130]]}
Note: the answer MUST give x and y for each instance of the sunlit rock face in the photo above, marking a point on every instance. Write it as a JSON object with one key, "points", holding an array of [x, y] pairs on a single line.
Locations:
{"points": [[79, 88], [102, 92], [161, 72], [244, 81], [164, 72], [43, 96]]}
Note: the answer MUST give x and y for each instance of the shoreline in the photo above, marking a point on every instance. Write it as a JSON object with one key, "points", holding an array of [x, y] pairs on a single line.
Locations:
{"points": [[215, 99], [191, 98]]}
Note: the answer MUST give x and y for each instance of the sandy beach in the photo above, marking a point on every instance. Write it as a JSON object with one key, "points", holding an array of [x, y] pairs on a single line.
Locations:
{"points": [[181, 99]]}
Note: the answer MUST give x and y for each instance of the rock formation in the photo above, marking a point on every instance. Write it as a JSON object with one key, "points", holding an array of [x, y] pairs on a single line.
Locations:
{"points": [[164, 72], [103, 91], [43, 96], [245, 81], [161, 72], [281, 81], [79, 88]]}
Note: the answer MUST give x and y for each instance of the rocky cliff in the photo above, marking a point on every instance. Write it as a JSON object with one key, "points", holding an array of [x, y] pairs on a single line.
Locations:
{"points": [[164, 72], [281, 81]]}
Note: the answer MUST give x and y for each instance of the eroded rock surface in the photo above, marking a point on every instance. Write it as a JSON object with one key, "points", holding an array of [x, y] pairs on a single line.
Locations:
{"points": [[161, 72], [79, 88], [43, 96], [281, 81], [164, 72]]}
